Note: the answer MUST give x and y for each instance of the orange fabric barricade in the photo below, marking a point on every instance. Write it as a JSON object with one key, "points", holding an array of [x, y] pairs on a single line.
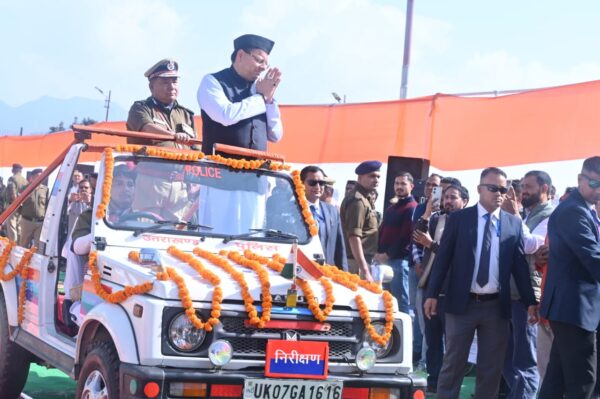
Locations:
{"points": [[454, 133]]}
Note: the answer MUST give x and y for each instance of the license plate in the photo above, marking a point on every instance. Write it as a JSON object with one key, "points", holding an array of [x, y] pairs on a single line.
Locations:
{"points": [[265, 388]]}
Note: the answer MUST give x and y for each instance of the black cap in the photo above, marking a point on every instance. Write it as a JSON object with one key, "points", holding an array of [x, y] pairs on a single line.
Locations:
{"points": [[253, 41], [17, 166], [367, 167], [36, 171], [166, 68]]}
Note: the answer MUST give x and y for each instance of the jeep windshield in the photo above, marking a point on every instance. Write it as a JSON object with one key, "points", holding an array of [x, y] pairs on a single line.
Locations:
{"points": [[201, 199]]}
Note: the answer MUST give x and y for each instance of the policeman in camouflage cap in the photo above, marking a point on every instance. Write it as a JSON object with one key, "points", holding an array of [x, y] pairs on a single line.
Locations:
{"points": [[161, 113]]}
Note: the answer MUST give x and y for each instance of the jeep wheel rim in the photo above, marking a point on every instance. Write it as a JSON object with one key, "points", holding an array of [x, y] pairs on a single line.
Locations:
{"points": [[95, 387]]}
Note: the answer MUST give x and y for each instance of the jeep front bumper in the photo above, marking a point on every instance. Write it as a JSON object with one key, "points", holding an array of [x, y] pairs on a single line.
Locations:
{"points": [[134, 378]]}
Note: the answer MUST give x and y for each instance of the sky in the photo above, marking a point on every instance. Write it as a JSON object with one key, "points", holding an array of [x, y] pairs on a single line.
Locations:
{"points": [[65, 48]]}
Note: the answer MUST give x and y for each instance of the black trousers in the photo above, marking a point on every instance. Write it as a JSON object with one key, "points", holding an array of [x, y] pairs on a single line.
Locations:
{"points": [[571, 372], [434, 334]]}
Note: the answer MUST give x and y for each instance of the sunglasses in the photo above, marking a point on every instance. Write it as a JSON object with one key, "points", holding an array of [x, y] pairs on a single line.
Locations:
{"points": [[494, 189], [313, 183], [593, 183]]}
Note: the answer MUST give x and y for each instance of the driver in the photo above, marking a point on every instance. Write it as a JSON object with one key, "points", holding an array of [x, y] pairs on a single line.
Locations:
{"points": [[121, 193]]}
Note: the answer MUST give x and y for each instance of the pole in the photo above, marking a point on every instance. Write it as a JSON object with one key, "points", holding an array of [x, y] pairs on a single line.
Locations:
{"points": [[407, 40], [107, 105]]}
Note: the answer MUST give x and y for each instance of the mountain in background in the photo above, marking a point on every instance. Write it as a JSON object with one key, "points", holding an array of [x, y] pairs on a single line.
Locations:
{"points": [[38, 116]]}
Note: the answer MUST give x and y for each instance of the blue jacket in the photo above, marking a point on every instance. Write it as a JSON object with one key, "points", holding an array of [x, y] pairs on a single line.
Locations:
{"points": [[572, 291], [455, 258], [332, 238]]}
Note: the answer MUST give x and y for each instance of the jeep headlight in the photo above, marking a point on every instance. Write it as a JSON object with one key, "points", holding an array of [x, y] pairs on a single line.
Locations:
{"points": [[380, 350], [183, 335]]}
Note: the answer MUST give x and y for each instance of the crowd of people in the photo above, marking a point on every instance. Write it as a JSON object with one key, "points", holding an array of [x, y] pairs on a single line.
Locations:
{"points": [[511, 275], [514, 272]]}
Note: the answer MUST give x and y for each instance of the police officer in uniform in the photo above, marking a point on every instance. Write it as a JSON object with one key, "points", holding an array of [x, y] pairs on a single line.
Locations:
{"points": [[161, 113], [16, 183], [359, 219], [32, 213], [237, 103]]}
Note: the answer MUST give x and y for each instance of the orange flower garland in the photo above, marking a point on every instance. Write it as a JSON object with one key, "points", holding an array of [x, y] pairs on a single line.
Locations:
{"points": [[4, 261], [195, 264], [388, 300], [134, 256], [173, 155], [349, 280], [301, 193], [238, 277], [119, 296], [186, 301], [248, 164], [109, 163], [313, 305], [188, 305], [263, 277], [274, 264], [22, 267]]}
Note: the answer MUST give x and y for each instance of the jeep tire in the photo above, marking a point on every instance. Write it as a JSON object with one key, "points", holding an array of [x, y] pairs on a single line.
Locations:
{"points": [[14, 360], [99, 375]]}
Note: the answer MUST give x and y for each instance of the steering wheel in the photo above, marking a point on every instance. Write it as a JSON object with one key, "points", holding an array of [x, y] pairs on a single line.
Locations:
{"points": [[140, 216]]}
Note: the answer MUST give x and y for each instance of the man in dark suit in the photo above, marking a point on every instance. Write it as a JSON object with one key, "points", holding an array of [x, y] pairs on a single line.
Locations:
{"points": [[480, 248], [571, 299], [326, 216]]}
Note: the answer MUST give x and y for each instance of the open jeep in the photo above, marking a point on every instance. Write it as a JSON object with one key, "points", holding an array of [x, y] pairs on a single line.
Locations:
{"points": [[204, 278]]}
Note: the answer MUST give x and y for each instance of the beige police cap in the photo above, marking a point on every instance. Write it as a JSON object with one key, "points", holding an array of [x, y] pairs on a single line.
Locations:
{"points": [[166, 68]]}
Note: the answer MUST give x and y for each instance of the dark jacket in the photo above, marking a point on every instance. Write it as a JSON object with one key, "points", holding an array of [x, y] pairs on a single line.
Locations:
{"points": [[572, 291], [247, 133], [455, 258]]}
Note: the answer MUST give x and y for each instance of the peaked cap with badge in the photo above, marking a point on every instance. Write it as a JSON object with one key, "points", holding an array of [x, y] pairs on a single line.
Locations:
{"points": [[165, 68]]}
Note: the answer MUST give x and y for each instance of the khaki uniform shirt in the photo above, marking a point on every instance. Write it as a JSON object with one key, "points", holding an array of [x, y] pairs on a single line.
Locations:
{"points": [[14, 186], [148, 111], [359, 218], [34, 207]]}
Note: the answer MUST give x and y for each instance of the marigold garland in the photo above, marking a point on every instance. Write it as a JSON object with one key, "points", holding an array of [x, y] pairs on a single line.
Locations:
{"points": [[263, 277], [248, 164], [313, 305], [4, 261], [119, 296], [238, 276], [388, 301], [172, 155], [134, 256], [301, 194], [188, 305], [349, 280], [109, 163], [195, 264], [274, 263], [22, 267]]}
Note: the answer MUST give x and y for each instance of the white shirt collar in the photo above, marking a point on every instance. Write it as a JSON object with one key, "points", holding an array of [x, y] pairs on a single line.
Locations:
{"points": [[482, 211]]}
